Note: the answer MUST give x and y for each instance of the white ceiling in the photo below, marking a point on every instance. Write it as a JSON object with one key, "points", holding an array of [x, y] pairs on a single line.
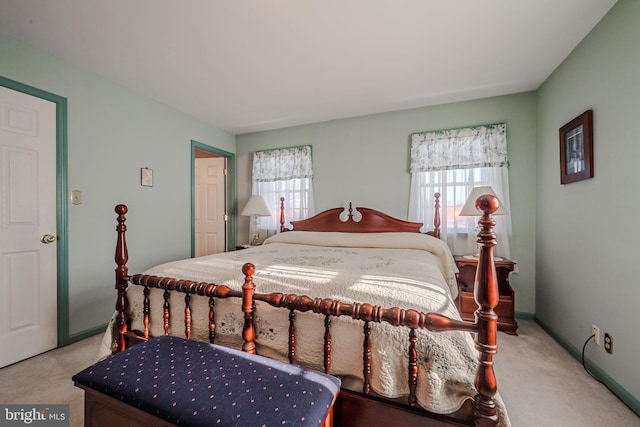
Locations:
{"points": [[249, 65]]}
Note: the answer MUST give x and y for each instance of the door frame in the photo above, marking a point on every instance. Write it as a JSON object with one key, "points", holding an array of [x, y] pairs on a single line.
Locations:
{"points": [[230, 188], [62, 206]]}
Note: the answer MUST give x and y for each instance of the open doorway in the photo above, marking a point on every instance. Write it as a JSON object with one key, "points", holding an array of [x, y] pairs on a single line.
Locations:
{"points": [[211, 190]]}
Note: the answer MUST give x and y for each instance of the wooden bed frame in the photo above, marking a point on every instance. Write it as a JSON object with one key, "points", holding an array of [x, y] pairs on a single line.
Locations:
{"points": [[352, 408]]}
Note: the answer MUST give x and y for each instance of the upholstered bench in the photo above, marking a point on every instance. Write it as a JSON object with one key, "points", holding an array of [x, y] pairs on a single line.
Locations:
{"points": [[173, 381]]}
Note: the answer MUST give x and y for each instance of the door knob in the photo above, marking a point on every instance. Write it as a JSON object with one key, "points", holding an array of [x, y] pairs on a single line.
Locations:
{"points": [[48, 238]]}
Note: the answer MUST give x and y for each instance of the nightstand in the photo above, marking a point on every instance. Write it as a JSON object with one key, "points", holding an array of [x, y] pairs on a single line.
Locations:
{"points": [[506, 303], [240, 247]]}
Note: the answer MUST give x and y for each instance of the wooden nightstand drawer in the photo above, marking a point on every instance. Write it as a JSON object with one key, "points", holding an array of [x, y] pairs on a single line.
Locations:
{"points": [[506, 303], [467, 305], [505, 309]]}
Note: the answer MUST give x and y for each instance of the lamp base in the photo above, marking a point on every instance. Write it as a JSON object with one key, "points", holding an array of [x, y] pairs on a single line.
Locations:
{"points": [[256, 231], [256, 240]]}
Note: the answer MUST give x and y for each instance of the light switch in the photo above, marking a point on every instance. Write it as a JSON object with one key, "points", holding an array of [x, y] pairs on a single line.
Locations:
{"points": [[76, 197]]}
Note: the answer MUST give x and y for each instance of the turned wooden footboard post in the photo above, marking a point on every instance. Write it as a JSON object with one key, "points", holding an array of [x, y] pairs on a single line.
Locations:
{"points": [[248, 307], [486, 296], [122, 272]]}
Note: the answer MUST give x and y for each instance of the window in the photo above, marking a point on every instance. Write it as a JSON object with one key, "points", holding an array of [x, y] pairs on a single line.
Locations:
{"points": [[288, 173], [453, 162]]}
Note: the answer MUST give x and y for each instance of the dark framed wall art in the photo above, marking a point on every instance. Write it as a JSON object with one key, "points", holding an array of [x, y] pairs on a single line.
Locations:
{"points": [[576, 149]]}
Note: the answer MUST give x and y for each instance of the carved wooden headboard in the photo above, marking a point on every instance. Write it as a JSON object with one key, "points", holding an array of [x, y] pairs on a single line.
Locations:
{"points": [[370, 221]]}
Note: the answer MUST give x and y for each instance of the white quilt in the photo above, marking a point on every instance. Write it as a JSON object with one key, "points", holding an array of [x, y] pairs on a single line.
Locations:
{"points": [[406, 270]]}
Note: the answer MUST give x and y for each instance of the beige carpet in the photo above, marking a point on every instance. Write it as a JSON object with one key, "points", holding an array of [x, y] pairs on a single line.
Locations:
{"points": [[541, 384], [46, 379]]}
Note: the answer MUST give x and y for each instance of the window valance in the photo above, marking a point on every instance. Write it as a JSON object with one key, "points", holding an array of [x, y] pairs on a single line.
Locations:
{"points": [[282, 164], [480, 146]]}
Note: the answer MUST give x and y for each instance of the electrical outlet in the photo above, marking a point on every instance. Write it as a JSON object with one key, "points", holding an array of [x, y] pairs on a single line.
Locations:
{"points": [[596, 332], [608, 342]]}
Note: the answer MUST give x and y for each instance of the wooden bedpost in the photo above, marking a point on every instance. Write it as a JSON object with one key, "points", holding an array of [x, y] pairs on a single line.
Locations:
{"points": [[248, 307], [121, 258], [436, 217], [486, 296], [281, 214]]}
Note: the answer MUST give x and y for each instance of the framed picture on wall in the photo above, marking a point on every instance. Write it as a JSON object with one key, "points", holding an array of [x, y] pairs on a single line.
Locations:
{"points": [[576, 149], [146, 177]]}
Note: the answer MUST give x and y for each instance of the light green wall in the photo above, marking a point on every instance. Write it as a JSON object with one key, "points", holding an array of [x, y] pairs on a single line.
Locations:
{"points": [[574, 251], [112, 133], [366, 160], [586, 237]]}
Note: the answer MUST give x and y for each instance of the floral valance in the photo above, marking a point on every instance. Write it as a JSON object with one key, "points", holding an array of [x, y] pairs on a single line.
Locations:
{"points": [[282, 164], [480, 146]]}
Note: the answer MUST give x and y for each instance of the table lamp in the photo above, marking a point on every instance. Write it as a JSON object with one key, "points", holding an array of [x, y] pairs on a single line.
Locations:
{"points": [[469, 208], [257, 207]]}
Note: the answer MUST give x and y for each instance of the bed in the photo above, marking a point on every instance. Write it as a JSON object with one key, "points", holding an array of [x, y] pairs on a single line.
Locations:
{"points": [[351, 292]]}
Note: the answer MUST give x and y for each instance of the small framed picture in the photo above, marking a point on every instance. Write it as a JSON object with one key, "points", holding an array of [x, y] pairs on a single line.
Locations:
{"points": [[576, 149], [146, 177]]}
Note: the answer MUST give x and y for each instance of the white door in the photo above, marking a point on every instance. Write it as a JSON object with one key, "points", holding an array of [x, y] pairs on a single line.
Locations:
{"points": [[28, 287], [210, 209]]}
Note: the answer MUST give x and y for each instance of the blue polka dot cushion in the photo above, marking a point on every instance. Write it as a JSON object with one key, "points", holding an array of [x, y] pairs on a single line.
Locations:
{"points": [[193, 383]]}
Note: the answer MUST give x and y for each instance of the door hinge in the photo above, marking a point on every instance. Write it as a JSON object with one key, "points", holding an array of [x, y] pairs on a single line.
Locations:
{"points": [[226, 217], [225, 171]]}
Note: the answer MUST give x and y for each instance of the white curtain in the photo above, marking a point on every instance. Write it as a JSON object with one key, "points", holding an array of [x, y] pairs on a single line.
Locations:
{"points": [[452, 162], [288, 173]]}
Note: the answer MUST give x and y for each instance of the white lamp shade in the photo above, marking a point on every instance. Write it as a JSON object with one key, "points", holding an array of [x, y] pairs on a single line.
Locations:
{"points": [[256, 206], [469, 208]]}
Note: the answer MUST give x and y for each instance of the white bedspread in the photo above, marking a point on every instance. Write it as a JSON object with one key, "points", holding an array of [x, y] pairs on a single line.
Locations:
{"points": [[406, 270]]}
